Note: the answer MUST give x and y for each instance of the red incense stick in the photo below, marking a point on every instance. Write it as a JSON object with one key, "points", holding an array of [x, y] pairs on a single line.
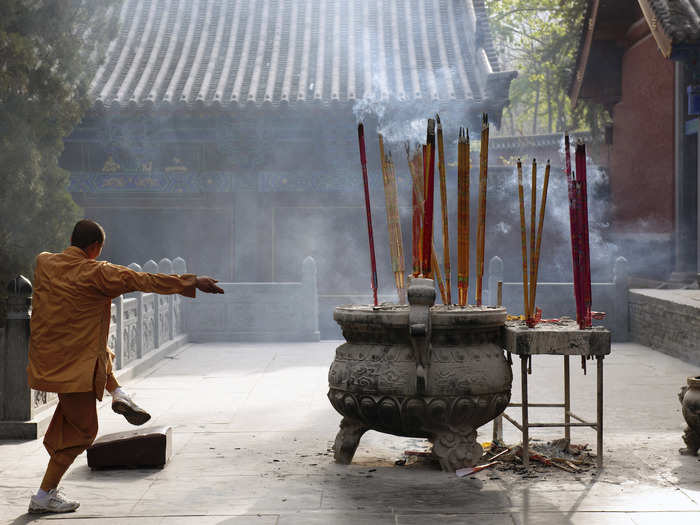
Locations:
{"points": [[363, 160], [584, 239], [573, 222]]}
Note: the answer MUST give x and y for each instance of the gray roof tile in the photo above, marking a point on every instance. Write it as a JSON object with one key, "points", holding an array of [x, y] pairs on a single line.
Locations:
{"points": [[680, 19], [235, 52]]}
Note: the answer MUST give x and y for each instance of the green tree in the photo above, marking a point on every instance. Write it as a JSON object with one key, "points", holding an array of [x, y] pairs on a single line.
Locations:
{"points": [[49, 50], [540, 39]]}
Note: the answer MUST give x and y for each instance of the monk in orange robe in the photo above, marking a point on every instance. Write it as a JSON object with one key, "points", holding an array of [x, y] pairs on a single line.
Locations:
{"points": [[68, 353]]}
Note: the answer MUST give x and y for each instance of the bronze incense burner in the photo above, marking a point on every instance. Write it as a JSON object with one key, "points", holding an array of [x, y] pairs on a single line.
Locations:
{"points": [[436, 372]]}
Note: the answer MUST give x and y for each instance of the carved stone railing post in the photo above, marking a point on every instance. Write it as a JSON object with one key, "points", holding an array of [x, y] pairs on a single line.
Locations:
{"points": [[118, 319], [151, 267], [179, 267], [166, 266], [17, 403], [621, 330], [309, 282], [495, 275], [139, 312]]}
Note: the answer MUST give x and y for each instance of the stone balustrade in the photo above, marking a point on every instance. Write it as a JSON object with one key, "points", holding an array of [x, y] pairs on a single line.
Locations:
{"points": [[143, 327]]}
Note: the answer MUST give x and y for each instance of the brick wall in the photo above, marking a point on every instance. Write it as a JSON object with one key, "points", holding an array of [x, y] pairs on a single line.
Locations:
{"points": [[667, 321]]}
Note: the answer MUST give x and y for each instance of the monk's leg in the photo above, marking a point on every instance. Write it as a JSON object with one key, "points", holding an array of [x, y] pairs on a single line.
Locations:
{"points": [[72, 430]]}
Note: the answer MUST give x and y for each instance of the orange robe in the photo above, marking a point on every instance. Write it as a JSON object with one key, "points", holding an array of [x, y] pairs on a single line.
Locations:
{"points": [[71, 313]]}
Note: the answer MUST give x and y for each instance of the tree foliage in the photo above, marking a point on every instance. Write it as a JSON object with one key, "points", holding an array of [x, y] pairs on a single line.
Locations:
{"points": [[540, 39], [47, 56]]}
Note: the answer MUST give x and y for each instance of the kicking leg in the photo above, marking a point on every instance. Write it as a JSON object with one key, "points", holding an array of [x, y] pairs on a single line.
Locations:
{"points": [[123, 404]]}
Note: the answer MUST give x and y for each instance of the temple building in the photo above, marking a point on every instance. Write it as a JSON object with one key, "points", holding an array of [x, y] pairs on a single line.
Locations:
{"points": [[225, 131], [639, 58]]}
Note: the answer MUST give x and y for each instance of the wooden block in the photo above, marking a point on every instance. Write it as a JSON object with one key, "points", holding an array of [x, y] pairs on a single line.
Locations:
{"points": [[144, 447]]}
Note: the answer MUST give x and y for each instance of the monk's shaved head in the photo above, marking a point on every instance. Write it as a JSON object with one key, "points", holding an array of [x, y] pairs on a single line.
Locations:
{"points": [[87, 232]]}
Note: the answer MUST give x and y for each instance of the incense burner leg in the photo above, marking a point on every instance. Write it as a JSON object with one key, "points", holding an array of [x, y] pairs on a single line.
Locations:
{"points": [[692, 442], [690, 401], [456, 450], [347, 440]]}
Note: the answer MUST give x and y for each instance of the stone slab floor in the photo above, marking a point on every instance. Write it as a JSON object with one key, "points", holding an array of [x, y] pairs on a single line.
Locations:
{"points": [[253, 428]]}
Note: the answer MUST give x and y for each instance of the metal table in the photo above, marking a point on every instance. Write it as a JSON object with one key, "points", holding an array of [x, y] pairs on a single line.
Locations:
{"points": [[563, 339]]}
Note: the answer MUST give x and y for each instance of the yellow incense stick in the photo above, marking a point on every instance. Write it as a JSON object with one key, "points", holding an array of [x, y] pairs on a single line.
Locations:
{"points": [[443, 201]]}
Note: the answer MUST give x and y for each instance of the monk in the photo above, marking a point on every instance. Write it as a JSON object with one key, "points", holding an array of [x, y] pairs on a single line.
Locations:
{"points": [[68, 351]]}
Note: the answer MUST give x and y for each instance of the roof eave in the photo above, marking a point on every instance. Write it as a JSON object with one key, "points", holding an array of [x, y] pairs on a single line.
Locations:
{"points": [[584, 51]]}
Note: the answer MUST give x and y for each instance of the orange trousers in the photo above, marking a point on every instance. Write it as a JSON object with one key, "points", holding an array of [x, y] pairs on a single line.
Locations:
{"points": [[72, 430]]}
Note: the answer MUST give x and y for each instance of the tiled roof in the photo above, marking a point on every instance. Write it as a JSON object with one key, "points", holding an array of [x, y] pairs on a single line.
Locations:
{"points": [[680, 19], [234, 52]]}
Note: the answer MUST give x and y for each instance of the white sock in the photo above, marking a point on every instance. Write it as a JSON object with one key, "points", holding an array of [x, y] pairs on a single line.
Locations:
{"points": [[42, 494], [119, 391]]}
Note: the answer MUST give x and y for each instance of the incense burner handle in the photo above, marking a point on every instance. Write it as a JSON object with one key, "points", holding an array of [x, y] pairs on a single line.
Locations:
{"points": [[421, 296]]}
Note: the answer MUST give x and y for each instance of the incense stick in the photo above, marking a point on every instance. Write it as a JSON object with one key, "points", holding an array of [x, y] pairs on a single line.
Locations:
{"points": [[416, 215], [481, 233], [523, 238], [429, 200], [368, 209], [418, 194], [543, 206], [443, 202], [398, 263], [584, 240], [533, 215], [463, 216], [572, 222]]}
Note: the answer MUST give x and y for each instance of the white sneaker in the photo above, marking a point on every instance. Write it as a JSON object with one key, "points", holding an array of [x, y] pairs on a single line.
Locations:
{"points": [[124, 405], [55, 501]]}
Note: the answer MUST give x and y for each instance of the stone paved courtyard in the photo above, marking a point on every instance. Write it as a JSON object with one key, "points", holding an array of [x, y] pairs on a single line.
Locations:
{"points": [[253, 428]]}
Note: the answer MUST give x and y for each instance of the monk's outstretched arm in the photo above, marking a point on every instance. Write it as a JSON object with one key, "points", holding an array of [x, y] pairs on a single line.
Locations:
{"points": [[114, 280]]}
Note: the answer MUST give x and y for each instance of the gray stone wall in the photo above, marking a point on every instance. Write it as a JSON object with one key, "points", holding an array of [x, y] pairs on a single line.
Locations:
{"points": [[663, 320]]}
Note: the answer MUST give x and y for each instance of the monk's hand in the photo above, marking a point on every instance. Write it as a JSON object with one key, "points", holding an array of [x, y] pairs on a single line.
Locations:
{"points": [[208, 285]]}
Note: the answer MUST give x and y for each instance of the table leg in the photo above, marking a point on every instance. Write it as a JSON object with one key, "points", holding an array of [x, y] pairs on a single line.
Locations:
{"points": [[567, 399], [599, 424], [526, 427], [498, 429]]}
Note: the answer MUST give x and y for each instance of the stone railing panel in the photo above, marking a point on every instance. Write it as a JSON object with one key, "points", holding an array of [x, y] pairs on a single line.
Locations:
{"points": [[257, 311], [149, 322]]}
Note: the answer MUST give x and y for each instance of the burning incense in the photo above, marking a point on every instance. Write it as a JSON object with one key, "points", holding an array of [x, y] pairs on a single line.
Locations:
{"points": [[543, 206], [585, 256], [394, 226], [572, 221], [443, 201], [463, 216], [481, 232], [429, 200], [533, 215], [523, 238], [370, 234]]}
